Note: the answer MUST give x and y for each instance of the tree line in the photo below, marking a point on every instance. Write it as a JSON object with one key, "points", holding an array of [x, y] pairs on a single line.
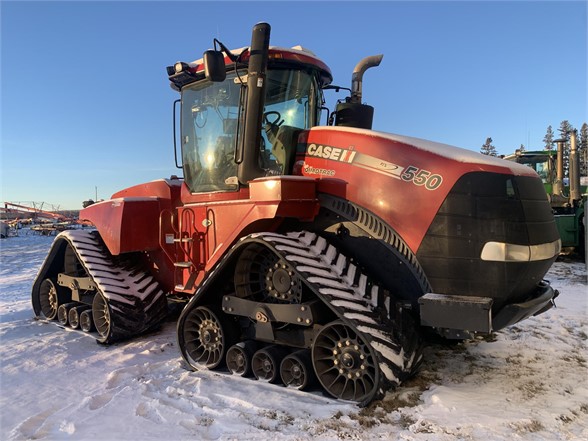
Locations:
{"points": [[565, 130]]}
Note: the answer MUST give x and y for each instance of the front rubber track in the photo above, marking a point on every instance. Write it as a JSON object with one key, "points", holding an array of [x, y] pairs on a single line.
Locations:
{"points": [[368, 311]]}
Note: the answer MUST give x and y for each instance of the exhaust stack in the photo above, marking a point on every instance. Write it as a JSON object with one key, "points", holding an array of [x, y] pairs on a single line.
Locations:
{"points": [[574, 170], [352, 113], [248, 155], [558, 184], [357, 76]]}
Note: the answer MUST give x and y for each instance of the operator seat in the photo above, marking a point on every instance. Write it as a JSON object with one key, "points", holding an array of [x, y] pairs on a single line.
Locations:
{"points": [[284, 147]]}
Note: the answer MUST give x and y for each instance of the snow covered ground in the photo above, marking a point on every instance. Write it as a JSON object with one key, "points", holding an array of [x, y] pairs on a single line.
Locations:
{"points": [[529, 383]]}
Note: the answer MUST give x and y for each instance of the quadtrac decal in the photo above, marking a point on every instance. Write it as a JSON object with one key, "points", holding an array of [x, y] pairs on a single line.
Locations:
{"points": [[413, 174]]}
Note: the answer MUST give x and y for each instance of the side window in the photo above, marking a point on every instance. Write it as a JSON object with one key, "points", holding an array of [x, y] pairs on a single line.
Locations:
{"points": [[290, 96]]}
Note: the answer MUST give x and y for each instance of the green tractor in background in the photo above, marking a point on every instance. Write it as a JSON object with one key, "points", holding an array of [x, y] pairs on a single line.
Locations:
{"points": [[567, 194]]}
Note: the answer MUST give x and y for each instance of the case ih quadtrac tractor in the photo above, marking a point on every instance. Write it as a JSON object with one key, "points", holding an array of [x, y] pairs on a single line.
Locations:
{"points": [[303, 253]]}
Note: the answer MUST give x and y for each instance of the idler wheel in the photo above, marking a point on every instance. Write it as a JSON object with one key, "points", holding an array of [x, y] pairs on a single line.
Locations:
{"points": [[345, 363], [206, 338], [49, 299], [101, 315]]}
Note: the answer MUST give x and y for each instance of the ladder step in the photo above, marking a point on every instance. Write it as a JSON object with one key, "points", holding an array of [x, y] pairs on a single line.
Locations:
{"points": [[183, 264], [184, 239]]}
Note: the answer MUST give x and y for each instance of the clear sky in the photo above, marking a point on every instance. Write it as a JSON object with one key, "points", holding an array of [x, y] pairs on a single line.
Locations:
{"points": [[86, 103]]}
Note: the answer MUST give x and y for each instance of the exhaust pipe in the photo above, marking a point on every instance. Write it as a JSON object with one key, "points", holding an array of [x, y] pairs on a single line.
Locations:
{"points": [[574, 170], [357, 75], [558, 184], [248, 155], [352, 113]]}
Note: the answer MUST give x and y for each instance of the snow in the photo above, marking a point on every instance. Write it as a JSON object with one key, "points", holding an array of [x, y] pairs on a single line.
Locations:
{"points": [[530, 383], [447, 151]]}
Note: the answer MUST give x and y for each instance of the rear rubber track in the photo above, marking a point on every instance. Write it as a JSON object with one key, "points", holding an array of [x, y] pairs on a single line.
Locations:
{"points": [[135, 301]]}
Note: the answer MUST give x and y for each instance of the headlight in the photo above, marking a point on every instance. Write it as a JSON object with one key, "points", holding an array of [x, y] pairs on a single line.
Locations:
{"points": [[507, 252]]}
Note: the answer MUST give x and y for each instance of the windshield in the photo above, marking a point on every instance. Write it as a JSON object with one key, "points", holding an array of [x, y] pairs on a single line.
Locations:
{"points": [[210, 124], [209, 121], [540, 164]]}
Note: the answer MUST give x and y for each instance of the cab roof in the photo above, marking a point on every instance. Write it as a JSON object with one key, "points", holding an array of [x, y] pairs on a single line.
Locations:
{"points": [[296, 55]]}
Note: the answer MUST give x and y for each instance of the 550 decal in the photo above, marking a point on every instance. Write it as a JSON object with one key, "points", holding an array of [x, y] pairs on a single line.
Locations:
{"points": [[416, 175], [421, 177]]}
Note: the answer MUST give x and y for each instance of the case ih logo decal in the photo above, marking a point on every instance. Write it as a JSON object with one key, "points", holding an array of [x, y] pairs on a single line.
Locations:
{"points": [[418, 176], [332, 153]]}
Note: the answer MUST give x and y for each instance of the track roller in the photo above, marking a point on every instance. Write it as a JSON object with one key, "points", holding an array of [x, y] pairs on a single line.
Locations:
{"points": [[296, 370], [63, 312], [266, 363], [86, 321], [74, 315], [239, 358]]}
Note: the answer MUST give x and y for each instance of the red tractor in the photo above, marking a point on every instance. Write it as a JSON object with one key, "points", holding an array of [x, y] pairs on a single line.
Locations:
{"points": [[303, 253]]}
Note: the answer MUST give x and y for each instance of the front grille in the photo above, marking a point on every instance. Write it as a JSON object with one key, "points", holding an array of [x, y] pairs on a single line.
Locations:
{"points": [[488, 207]]}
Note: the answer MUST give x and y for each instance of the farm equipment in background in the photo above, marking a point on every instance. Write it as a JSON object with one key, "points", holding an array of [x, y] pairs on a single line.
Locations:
{"points": [[301, 253], [566, 192]]}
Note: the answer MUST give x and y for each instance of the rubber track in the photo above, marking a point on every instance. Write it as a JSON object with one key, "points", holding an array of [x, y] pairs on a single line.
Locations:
{"points": [[355, 298], [137, 302]]}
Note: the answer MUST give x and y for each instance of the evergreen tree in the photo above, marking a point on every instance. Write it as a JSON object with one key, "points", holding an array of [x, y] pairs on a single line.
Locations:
{"points": [[488, 148], [583, 150], [565, 128], [548, 140]]}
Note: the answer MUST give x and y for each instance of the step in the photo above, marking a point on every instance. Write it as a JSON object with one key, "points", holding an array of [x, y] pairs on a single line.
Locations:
{"points": [[184, 239]]}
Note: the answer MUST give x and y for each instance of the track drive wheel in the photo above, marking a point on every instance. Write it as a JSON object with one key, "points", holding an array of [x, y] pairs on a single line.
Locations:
{"points": [[296, 370], [345, 363], [262, 276], [206, 337]]}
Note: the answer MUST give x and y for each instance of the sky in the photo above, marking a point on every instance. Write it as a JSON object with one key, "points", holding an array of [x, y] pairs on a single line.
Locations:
{"points": [[86, 107]]}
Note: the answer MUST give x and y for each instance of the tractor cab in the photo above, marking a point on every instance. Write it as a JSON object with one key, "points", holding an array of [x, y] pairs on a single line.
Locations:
{"points": [[542, 161], [228, 124]]}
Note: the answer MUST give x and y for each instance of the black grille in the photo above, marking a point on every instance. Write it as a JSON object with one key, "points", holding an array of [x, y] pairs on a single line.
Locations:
{"points": [[485, 207]]}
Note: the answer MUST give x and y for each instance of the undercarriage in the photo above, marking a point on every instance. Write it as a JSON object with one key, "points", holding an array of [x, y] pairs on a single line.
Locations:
{"points": [[291, 309]]}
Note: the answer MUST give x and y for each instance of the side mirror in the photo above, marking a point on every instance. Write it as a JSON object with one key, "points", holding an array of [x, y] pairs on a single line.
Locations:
{"points": [[214, 66]]}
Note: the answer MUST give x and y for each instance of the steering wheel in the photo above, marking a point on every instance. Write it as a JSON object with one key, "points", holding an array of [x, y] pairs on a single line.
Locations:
{"points": [[276, 121]]}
